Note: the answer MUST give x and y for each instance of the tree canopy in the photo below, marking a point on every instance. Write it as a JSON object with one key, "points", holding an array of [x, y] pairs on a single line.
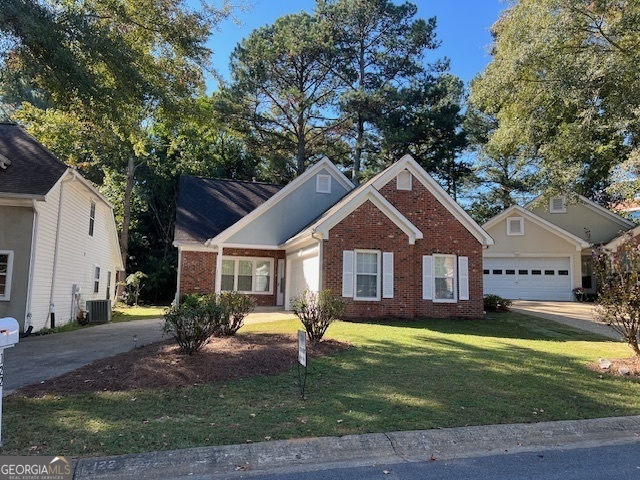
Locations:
{"points": [[564, 88]]}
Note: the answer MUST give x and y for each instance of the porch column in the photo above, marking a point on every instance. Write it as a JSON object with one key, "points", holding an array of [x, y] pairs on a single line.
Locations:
{"points": [[219, 270]]}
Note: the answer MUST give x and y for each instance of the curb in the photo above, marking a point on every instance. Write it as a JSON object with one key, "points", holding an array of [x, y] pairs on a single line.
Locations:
{"points": [[386, 448]]}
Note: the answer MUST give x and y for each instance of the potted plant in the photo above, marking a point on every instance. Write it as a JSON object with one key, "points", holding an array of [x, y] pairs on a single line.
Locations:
{"points": [[579, 293]]}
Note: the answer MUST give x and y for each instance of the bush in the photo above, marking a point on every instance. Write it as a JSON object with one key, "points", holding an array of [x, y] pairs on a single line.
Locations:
{"points": [[495, 303], [235, 307], [193, 322], [317, 311]]}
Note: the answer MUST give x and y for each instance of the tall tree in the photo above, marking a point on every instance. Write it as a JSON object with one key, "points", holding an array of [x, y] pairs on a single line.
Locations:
{"points": [[564, 87], [379, 47], [110, 64], [283, 85]]}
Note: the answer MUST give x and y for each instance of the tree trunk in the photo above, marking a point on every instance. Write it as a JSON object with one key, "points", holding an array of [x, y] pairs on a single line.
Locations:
{"points": [[632, 339], [357, 158], [302, 145], [124, 234]]}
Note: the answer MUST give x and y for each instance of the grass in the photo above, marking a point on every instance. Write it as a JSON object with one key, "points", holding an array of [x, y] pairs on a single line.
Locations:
{"points": [[138, 312], [396, 376]]}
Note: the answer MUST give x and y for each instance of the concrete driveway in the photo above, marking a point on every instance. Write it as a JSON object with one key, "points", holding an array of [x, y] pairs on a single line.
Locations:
{"points": [[40, 358], [575, 314]]}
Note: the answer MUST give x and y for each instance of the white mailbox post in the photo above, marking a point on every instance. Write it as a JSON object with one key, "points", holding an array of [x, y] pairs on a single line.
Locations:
{"points": [[9, 336]]}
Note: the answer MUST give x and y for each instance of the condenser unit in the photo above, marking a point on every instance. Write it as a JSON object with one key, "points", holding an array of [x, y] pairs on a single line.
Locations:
{"points": [[98, 311]]}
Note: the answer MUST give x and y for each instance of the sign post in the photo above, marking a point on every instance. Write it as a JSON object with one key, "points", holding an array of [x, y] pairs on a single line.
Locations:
{"points": [[302, 361]]}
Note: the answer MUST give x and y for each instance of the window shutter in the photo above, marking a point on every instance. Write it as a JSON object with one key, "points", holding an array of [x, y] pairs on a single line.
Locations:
{"points": [[463, 278], [427, 277], [347, 273], [323, 184], [387, 275]]}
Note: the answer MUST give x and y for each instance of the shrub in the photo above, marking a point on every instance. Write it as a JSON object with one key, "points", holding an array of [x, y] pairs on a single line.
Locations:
{"points": [[235, 307], [193, 322], [495, 303], [317, 311], [618, 300]]}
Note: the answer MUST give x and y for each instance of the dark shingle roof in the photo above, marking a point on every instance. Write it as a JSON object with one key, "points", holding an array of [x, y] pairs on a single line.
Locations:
{"points": [[207, 206], [34, 170]]}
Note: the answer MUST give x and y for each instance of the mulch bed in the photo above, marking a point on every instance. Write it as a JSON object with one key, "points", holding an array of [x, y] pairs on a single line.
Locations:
{"points": [[632, 363], [162, 365]]}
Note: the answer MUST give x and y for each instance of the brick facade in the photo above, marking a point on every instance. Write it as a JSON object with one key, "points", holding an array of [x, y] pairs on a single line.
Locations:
{"points": [[198, 272], [368, 228]]}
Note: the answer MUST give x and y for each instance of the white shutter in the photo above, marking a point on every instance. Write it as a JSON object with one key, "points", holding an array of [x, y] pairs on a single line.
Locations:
{"points": [[427, 277], [463, 278], [387, 275], [347, 273]]}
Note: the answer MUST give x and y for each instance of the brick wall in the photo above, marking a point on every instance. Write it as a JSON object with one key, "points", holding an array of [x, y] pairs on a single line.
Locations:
{"points": [[198, 272], [368, 228]]}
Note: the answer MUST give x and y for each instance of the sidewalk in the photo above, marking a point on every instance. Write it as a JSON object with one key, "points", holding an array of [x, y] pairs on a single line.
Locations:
{"points": [[287, 456]]}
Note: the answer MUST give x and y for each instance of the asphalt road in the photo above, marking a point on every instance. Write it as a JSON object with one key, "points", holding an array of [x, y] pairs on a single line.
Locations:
{"points": [[621, 462]]}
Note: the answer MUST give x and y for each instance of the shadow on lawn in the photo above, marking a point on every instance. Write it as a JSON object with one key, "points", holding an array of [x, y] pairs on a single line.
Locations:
{"points": [[498, 325]]}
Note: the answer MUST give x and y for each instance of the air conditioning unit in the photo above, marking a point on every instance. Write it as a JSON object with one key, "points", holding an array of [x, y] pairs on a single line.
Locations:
{"points": [[98, 311]]}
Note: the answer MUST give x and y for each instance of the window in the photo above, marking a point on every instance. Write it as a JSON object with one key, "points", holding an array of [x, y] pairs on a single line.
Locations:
{"points": [[92, 218], [549, 272], [523, 272], [6, 267], [485, 272], [444, 276], [563, 272], [96, 279], [403, 180], [367, 275], [323, 183], [515, 226], [247, 275], [497, 272], [510, 272], [557, 205], [536, 272]]}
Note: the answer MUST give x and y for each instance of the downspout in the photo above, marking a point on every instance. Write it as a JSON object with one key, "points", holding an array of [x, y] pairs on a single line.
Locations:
{"points": [[56, 254], [176, 300], [320, 256], [28, 322]]}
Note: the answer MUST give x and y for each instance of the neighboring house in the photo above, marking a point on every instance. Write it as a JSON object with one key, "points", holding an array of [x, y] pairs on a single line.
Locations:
{"points": [[543, 251], [58, 240], [396, 246]]}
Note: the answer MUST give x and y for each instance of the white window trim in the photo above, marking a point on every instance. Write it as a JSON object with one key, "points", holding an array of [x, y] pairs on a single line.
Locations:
{"points": [[253, 273], [510, 231], [6, 296], [92, 218], [407, 174], [378, 275], [455, 279], [95, 279], [319, 183], [558, 210]]}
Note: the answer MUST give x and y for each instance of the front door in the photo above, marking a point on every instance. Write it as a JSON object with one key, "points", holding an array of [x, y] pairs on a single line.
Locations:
{"points": [[280, 286]]}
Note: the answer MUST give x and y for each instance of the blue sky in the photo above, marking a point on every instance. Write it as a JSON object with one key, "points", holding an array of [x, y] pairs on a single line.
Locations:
{"points": [[462, 27]]}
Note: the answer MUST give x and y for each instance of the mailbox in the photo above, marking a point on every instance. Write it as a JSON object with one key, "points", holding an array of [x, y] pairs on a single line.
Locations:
{"points": [[9, 332]]}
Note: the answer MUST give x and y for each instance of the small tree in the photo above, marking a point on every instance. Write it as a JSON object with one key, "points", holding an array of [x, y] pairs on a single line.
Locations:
{"points": [[133, 285], [618, 301], [317, 311], [235, 307], [193, 322]]}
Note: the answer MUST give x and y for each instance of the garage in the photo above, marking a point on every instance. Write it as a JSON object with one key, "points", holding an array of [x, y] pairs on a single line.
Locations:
{"points": [[533, 278]]}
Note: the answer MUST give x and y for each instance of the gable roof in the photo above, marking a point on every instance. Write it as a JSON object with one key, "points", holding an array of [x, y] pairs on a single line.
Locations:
{"points": [[408, 163], [532, 217], [614, 243], [325, 164], [208, 206], [33, 171], [623, 222], [370, 191], [347, 205]]}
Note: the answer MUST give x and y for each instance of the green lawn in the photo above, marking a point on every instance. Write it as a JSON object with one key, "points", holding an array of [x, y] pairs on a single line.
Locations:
{"points": [[396, 376], [126, 314]]}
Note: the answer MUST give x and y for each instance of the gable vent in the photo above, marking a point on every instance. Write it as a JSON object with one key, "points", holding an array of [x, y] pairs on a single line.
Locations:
{"points": [[557, 205], [403, 180], [323, 183]]}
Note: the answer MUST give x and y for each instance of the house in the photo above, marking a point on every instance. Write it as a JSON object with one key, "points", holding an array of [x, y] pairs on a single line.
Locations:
{"points": [[396, 246], [58, 241], [543, 251]]}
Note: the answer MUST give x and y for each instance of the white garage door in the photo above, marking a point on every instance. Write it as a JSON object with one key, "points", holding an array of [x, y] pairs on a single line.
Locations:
{"points": [[528, 278], [303, 273]]}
